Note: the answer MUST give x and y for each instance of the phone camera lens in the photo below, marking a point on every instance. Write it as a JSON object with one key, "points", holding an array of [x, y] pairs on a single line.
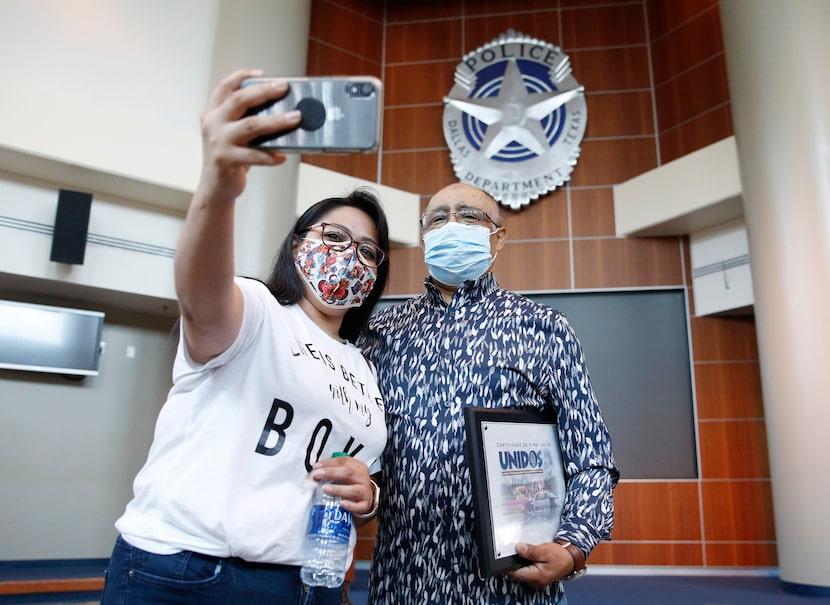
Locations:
{"points": [[360, 89]]}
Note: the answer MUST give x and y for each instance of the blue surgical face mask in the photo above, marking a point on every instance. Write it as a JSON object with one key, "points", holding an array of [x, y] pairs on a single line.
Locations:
{"points": [[456, 253]]}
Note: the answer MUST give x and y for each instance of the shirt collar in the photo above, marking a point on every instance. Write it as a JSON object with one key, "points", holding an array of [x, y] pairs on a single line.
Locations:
{"points": [[469, 292]]}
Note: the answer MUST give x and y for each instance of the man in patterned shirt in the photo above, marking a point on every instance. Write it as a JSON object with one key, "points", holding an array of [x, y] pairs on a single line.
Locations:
{"points": [[467, 342]]}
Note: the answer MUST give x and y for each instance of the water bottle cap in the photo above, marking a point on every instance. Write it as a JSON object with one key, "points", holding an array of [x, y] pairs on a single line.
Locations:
{"points": [[338, 454]]}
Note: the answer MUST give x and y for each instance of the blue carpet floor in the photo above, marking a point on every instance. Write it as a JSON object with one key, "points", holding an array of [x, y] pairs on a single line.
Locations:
{"points": [[593, 589], [683, 590], [600, 589]]}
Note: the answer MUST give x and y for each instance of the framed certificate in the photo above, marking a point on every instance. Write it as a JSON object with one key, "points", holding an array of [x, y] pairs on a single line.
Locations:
{"points": [[518, 482]]}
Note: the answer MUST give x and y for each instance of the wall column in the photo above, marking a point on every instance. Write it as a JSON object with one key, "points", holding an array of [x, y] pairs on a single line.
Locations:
{"points": [[271, 35], [776, 54]]}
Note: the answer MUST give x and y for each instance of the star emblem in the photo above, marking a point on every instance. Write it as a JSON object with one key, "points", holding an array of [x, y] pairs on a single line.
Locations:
{"points": [[514, 118], [514, 114]]}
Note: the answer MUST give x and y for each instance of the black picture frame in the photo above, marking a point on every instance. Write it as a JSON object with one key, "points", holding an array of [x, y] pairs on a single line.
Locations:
{"points": [[488, 533]]}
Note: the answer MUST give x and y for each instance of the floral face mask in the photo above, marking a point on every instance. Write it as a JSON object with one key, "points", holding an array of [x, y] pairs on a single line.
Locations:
{"points": [[338, 278]]}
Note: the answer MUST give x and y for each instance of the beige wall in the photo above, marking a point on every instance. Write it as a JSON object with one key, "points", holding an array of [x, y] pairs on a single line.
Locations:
{"points": [[105, 97], [71, 448]]}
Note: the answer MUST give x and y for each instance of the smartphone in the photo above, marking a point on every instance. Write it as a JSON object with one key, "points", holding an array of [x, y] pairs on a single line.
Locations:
{"points": [[339, 115]]}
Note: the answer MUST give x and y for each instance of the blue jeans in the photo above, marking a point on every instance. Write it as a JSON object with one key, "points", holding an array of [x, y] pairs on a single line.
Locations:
{"points": [[137, 577]]}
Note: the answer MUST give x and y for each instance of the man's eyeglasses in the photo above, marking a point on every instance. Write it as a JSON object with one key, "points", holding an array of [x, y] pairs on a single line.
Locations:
{"points": [[338, 238], [465, 216]]}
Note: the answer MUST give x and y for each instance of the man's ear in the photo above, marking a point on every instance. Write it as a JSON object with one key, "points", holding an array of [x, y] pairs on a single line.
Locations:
{"points": [[501, 237]]}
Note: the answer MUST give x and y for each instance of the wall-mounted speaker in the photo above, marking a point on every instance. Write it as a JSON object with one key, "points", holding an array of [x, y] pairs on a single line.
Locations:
{"points": [[71, 227]]}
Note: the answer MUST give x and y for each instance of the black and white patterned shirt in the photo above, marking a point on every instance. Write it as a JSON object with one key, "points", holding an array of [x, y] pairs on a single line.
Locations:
{"points": [[490, 348]]}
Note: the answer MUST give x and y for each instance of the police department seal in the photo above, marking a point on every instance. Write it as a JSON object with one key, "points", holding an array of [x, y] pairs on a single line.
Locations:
{"points": [[515, 118]]}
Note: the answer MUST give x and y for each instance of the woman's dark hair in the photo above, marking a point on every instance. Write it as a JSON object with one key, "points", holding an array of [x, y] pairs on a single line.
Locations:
{"points": [[288, 287]]}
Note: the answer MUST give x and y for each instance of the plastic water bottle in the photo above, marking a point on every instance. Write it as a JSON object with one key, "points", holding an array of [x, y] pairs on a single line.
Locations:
{"points": [[326, 547]]}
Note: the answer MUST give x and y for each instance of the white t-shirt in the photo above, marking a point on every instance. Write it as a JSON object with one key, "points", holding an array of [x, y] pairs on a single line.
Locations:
{"points": [[227, 474]]}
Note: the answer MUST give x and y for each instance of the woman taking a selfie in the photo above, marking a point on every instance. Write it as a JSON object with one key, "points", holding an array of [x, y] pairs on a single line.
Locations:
{"points": [[267, 385]]}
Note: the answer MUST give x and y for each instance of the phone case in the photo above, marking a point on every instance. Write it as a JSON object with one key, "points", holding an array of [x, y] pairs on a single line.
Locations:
{"points": [[340, 115]]}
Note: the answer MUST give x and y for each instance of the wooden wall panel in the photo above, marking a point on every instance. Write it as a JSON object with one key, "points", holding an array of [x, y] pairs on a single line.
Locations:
{"points": [[545, 218], [656, 554], [566, 4], [413, 128], [609, 25], [373, 9], [605, 162], [729, 390], [664, 17], [745, 554], [693, 93], [691, 42], [611, 69], [406, 272], [656, 511], [326, 61], [334, 25], [621, 114], [333, 49], [366, 540], [592, 212], [506, 7], [738, 511], [724, 339], [423, 172], [401, 11], [534, 266], [418, 83], [362, 166], [621, 263], [363, 549], [733, 449], [481, 30], [423, 41], [710, 127]]}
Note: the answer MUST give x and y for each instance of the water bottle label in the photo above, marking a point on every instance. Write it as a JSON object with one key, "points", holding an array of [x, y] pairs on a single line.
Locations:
{"points": [[331, 522]]}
